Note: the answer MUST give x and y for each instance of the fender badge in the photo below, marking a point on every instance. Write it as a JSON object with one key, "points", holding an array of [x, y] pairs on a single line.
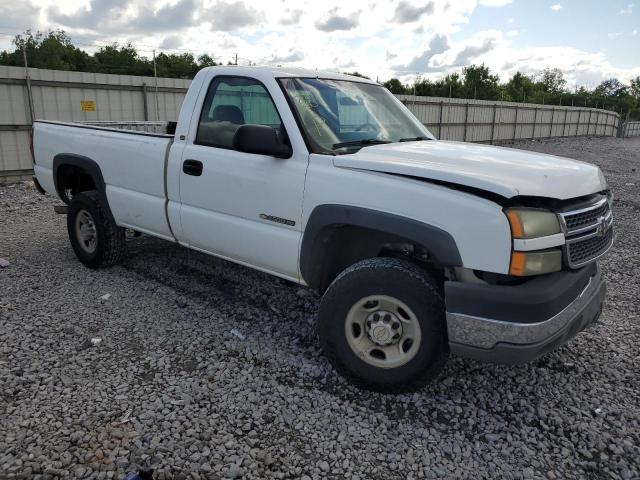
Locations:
{"points": [[283, 221]]}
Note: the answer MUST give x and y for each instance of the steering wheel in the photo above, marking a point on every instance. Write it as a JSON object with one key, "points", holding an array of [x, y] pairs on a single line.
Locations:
{"points": [[370, 127]]}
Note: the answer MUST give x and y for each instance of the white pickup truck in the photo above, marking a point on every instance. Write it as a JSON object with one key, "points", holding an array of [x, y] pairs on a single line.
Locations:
{"points": [[421, 247]]}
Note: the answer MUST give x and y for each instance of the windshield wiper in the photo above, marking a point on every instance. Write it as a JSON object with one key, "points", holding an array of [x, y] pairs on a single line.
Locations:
{"points": [[413, 139], [364, 141]]}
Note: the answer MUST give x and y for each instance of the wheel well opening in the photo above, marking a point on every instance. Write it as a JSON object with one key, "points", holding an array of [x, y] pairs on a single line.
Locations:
{"points": [[72, 180], [339, 246]]}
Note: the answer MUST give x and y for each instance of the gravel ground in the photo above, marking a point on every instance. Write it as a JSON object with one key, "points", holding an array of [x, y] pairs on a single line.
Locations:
{"points": [[206, 369]]}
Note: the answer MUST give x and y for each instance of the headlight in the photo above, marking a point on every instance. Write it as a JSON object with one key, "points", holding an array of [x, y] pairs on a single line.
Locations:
{"points": [[529, 223], [535, 263]]}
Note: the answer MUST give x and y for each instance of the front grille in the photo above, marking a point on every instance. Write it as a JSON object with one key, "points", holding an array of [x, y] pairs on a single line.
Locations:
{"points": [[583, 251], [583, 219], [588, 233]]}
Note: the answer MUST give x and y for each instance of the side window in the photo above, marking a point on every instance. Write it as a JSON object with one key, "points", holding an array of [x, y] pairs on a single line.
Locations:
{"points": [[230, 103]]}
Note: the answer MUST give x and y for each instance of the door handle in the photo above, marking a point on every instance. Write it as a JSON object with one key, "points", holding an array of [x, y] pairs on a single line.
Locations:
{"points": [[192, 167]]}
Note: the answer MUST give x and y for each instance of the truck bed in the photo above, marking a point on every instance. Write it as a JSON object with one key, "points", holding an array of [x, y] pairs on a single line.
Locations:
{"points": [[125, 126], [132, 163], [163, 128]]}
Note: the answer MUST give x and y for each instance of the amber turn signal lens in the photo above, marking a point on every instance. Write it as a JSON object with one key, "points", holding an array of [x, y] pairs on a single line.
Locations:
{"points": [[518, 261], [532, 223], [516, 226]]}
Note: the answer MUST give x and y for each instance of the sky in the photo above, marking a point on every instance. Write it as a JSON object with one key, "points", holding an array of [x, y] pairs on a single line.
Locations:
{"points": [[589, 40]]}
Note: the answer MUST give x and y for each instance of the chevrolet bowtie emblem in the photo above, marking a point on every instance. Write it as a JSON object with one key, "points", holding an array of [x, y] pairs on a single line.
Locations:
{"points": [[601, 227]]}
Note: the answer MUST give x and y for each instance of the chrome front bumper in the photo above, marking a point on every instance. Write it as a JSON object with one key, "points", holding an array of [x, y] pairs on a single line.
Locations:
{"points": [[512, 342]]}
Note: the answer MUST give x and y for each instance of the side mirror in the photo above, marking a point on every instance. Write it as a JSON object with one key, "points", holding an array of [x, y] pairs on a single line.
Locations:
{"points": [[260, 139]]}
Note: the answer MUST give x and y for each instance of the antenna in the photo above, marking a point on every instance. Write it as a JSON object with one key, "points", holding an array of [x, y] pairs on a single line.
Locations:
{"points": [[155, 79]]}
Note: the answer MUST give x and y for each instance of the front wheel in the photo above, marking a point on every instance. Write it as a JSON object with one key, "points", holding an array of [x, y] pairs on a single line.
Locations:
{"points": [[96, 239], [382, 325]]}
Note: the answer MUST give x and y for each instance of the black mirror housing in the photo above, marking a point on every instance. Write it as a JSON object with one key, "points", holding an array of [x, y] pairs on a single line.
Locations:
{"points": [[260, 139]]}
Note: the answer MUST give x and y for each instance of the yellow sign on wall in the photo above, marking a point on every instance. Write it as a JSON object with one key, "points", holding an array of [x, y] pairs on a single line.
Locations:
{"points": [[88, 105]]}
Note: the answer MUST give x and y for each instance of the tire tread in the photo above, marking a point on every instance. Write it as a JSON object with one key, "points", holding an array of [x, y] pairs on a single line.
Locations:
{"points": [[433, 294], [115, 244]]}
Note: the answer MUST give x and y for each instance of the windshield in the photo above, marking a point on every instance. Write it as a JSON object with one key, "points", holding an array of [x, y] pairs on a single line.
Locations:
{"points": [[341, 116]]}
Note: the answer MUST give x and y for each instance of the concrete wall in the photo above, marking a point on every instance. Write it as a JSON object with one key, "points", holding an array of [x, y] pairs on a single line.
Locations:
{"points": [[57, 95]]}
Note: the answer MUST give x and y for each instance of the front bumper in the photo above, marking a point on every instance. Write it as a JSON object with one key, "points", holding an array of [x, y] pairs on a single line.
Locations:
{"points": [[517, 324]]}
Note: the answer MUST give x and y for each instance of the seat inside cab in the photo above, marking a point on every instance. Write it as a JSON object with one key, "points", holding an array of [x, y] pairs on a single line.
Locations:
{"points": [[221, 127]]}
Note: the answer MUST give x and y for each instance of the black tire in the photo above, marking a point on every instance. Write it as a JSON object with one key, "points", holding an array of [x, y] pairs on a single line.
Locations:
{"points": [[110, 243], [404, 281]]}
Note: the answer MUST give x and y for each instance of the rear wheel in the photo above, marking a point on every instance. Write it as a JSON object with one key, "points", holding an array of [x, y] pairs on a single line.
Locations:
{"points": [[382, 325], [96, 240]]}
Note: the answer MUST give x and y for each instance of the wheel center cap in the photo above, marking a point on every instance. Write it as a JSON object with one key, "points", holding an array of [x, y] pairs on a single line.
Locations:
{"points": [[384, 328], [381, 333]]}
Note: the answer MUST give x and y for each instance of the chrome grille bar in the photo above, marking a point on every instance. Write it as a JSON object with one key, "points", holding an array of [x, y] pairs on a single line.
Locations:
{"points": [[588, 233]]}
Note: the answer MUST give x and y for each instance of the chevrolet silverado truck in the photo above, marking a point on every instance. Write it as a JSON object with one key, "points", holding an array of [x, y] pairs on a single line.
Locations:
{"points": [[420, 247]]}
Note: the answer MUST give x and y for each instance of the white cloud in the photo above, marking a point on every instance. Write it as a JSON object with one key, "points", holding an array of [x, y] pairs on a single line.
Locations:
{"points": [[336, 20], [578, 66], [230, 16], [613, 35], [290, 56], [430, 37], [406, 12], [440, 56], [494, 3], [291, 16], [556, 7], [20, 15], [171, 42], [628, 10]]}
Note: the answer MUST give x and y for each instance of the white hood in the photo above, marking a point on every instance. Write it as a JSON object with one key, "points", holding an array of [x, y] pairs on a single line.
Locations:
{"points": [[505, 171]]}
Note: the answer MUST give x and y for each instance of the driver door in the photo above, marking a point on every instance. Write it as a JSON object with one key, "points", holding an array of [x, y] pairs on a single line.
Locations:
{"points": [[241, 206]]}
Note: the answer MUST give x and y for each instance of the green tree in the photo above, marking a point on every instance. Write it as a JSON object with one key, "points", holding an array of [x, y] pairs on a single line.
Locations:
{"points": [[634, 87], [449, 86], [519, 88], [206, 60], [478, 82], [610, 88], [395, 86], [552, 80], [55, 50], [52, 50], [176, 65], [122, 60], [422, 87]]}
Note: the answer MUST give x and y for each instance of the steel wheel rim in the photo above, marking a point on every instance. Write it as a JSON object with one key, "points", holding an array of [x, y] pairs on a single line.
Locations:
{"points": [[383, 331], [86, 231]]}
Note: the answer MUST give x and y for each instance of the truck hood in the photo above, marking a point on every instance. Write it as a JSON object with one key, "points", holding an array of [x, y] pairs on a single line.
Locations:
{"points": [[507, 172]]}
